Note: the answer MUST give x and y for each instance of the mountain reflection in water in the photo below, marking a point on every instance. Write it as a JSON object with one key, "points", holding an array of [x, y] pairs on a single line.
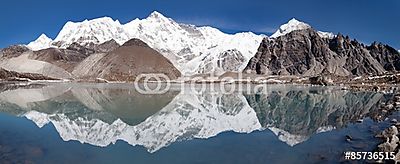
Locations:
{"points": [[102, 114]]}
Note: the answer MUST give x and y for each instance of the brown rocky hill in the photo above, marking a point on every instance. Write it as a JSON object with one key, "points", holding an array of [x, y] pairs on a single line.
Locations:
{"points": [[304, 52], [63, 58], [71, 56], [125, 63], [12, 51]]}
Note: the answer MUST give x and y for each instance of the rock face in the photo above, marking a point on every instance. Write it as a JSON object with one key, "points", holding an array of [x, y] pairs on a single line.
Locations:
{"points": [[305, 52], [106, 46], [12, 51], [384, 55], [126, 63], [91, 48]]}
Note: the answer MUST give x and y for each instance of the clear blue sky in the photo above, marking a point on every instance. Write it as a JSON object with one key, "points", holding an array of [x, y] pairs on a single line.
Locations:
{"points": [[365, 20]]}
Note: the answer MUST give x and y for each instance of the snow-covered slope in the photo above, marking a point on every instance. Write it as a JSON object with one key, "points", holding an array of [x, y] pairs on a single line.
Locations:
{"points": [[42, 42], [95, 31], [191, 49], [293, 25]]}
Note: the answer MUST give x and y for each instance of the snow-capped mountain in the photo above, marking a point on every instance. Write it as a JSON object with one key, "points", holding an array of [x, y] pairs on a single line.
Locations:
{"points": [[293, 25], [42, 42], [191, 49]]}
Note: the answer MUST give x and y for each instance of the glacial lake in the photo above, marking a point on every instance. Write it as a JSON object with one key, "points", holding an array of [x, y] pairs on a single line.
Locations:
{"points": [[114, 123]]}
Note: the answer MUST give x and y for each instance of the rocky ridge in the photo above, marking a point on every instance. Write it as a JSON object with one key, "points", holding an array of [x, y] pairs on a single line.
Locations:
{"points": [[305, 53]]}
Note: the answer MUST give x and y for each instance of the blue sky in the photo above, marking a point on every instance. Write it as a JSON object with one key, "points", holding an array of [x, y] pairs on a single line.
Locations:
{"points": [[366, 20]]}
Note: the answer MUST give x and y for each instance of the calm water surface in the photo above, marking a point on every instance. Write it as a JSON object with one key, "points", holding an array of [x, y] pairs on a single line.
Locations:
{"points": [[113, 123]]}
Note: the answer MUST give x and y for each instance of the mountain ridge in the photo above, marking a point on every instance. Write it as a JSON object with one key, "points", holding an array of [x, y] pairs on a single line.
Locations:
{"points": [[305, 53], [301, 50], [192, 49]]}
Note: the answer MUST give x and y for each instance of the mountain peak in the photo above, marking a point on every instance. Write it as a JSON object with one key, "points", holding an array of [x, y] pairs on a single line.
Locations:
{"points": [[103, 19], [42, 42], [43, 38], [292, 25], [156, 14], [294, 21]]}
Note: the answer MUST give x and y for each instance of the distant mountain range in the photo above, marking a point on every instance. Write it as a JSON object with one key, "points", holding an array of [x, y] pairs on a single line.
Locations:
{"points": [[294, 49]]}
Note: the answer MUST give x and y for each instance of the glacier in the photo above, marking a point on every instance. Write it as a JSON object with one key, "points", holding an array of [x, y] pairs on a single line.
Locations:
{"points": [[192, 49]]}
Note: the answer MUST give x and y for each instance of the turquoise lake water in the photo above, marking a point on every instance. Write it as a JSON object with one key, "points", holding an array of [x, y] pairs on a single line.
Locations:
{"points": [[113, 123]]}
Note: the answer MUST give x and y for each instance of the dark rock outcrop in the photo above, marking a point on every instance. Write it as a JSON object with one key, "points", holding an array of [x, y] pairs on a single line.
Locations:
{"points": [[384, 55], [13, 51], [319, 80], [230, 60], [81, 49], [105, 47], [304, 52], [91, 48]]}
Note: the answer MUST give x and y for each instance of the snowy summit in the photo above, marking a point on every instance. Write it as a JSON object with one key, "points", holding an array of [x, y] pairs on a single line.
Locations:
{"points": [[42, 42], [290, 26], [293, 25]]}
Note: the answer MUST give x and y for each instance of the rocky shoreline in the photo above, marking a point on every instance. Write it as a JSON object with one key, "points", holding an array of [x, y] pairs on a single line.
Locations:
{"points": [[390, 136]]}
